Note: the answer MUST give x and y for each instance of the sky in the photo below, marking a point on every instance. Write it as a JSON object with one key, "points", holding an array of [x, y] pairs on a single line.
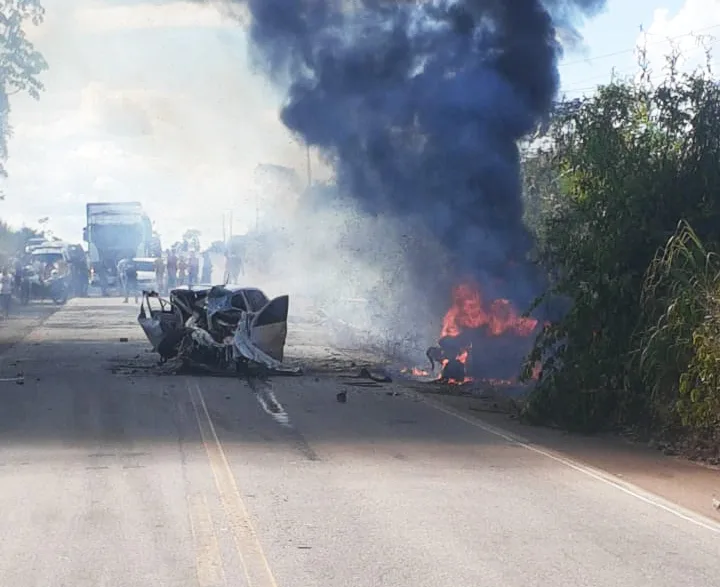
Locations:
{"points": [[155, 101]]}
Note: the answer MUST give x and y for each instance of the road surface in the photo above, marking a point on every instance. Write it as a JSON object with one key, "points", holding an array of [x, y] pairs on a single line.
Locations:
{"points": [[112, 474]]}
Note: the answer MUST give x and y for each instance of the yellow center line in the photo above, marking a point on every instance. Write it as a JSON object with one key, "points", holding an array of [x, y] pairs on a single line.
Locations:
{"points": [[209, 565], [255, 564]]}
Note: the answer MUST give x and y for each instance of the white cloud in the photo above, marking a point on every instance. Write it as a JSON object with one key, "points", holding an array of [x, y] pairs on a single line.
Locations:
{"points": [[150, 102], [689, 31], [99, 17]]}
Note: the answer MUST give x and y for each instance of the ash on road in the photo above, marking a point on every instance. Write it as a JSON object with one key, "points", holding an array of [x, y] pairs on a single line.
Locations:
{"points": [[113, 475]]}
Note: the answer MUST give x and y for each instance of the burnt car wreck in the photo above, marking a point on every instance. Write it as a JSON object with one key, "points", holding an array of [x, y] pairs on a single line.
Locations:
{"points": [[218, 328]]}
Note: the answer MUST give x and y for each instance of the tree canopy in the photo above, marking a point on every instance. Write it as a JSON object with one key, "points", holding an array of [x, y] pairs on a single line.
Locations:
{"points": [[191, 240], [20, 63], [623, 194], [13, 241]]}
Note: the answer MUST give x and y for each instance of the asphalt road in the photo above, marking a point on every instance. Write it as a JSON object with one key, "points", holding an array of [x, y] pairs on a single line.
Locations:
{"points": [[112, 474]]}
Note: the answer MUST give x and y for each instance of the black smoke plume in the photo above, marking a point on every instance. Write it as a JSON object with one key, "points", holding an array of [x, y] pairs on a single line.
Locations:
{"points": [[420, 105]]}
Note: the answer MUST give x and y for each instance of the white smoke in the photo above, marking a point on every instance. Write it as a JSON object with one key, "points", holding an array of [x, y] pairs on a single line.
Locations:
{"points": [[157, 103]]}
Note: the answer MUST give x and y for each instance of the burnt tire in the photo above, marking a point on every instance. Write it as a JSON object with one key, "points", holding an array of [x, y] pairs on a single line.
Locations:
{"points": [[168, 348], [60, 299]]}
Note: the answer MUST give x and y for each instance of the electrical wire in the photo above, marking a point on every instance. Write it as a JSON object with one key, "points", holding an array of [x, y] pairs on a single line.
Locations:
{"points": [[584, 84], [626, 51]]}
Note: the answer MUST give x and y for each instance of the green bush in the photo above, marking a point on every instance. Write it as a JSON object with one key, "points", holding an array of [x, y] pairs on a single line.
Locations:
{"points": [[607, 185], [679, 349]]}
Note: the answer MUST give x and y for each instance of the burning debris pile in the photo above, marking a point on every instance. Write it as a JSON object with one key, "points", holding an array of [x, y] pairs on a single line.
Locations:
{"points": [[480, 340], [420, 107], [217, 328]]}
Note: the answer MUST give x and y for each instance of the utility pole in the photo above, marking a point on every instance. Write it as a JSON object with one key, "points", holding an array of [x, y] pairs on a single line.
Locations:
{"points": [[309, 167]]}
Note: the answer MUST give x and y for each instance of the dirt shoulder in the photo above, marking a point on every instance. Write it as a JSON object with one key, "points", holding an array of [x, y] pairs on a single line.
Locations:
{"points": [[22, 321], [688, 484]]}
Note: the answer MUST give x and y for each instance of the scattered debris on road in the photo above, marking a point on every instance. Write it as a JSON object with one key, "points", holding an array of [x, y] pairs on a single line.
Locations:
{"points": [[366, 373], [218, 328], [716, 504], [384, 378], [19, 379]]}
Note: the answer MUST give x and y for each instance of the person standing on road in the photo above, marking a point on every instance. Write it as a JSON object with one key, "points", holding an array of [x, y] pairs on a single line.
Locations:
{"points": [[120, 272], [160, 274], [81, 275], [233, 265], [26, 285], [193, 268], [18, 275], [172, 268], [6, 290], [130, 281], [182, 270], [206, 268]]}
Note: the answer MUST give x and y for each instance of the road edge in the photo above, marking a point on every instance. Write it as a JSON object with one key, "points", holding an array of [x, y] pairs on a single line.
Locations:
{"points": [[6, 347], [598, 474]]}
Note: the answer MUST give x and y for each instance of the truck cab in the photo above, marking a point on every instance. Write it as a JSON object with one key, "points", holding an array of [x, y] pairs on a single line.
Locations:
{"points": [[115, 231]]}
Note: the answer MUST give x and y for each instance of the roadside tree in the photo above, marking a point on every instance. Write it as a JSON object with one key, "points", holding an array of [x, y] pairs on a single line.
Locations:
{"points": [[20, 63], [624, 197], [191, 240]]}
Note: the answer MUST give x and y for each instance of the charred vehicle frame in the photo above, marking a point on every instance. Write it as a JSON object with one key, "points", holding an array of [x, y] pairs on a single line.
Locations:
{"points": [[218, 328]]}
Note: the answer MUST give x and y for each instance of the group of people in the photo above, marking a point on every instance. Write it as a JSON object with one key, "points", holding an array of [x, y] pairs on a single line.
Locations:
{"points": [[177, 270], [171, 271]]}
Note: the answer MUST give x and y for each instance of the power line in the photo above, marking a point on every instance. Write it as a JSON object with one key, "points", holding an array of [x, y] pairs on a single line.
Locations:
{"points": [[653, 78], [626, 51], [595, 87], [580, 84]]}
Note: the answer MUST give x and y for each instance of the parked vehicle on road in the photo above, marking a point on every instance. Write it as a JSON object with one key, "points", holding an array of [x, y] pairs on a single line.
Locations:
{"points": [[36, 287], [116, 231], [146, 278]]}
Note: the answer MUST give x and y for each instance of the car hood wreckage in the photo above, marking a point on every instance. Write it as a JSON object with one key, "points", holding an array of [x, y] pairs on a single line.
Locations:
{"points": [[218, 328]]}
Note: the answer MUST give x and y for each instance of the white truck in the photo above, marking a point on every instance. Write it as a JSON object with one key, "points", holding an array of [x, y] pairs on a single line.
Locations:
{"points": [[116, 231]]}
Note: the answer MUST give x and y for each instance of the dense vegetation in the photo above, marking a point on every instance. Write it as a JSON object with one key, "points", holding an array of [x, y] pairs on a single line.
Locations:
{"points": [[20, 66], [623, 195], [12, 242], [20, 62]]}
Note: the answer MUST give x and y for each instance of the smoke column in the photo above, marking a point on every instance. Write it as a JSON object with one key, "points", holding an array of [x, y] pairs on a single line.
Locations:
{"points": [[419, 107]]}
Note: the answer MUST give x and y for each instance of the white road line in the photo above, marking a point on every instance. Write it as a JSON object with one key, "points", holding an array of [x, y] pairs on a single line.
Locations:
{"points": [[262, 390], [597, 474], [279, 414]]}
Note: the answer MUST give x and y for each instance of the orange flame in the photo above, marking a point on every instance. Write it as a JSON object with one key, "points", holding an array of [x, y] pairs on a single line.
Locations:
{"points": [[462, 357], [415, 371], [468, 311]]}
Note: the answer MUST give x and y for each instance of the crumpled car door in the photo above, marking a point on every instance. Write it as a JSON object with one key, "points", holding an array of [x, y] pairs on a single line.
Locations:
{"points": [[268, 328], [160, 322]]}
